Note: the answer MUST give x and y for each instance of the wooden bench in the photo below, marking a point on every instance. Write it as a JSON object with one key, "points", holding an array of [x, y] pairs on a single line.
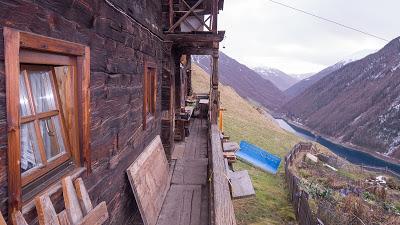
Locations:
{"points": [[159, 201], [78, 207]]}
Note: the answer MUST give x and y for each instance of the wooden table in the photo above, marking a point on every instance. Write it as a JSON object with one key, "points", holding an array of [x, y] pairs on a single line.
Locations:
{"points": [[182, 122], [204, 104]]}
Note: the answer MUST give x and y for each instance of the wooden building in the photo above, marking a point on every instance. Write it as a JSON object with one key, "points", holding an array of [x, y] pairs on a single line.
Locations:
{"points": [[86, 85]]}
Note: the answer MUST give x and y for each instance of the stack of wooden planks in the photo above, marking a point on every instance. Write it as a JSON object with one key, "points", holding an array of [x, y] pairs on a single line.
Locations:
{"points": [[229, 149], [239, 181], [230, 156], [78, 207]]}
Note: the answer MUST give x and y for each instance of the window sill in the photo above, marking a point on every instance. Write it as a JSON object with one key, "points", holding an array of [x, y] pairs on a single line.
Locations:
{"points": [[54, 188]]}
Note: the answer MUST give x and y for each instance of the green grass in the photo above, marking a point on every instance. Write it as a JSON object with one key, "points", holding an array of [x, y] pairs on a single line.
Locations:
{"points": [[243, 122]]}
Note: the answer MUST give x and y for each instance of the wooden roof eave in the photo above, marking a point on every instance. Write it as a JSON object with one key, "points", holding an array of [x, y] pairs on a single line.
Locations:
{"points": [[195, 37]]}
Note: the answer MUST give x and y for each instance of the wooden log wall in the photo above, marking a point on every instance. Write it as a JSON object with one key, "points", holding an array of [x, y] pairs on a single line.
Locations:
{"points": [[119, 46]]}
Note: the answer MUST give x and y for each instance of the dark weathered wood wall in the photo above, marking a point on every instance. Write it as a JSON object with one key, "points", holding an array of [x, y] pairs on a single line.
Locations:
{"points": [[119, 48]]}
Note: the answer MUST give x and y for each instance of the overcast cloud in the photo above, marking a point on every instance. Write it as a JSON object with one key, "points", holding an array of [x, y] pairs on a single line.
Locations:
{"points": [[261, 33]]}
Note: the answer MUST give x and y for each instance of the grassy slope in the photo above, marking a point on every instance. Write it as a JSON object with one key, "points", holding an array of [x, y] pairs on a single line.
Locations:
{"points": [[243, 122]]}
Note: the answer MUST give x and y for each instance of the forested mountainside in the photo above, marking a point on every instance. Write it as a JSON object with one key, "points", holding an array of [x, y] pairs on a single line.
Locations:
{"points": [[358, 103], [302, 85], [280, 79], [246, 82]]}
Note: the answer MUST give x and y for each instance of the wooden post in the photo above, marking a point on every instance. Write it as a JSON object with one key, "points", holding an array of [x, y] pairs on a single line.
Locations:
{"points": [[11, 58], [189, 89], [171, 13], [215, 17], [214, 95], [221, 121]]}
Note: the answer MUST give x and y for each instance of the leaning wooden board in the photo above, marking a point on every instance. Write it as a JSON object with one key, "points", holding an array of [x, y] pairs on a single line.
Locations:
{"points": [[150, 180], [241, 184], [2, 221]]}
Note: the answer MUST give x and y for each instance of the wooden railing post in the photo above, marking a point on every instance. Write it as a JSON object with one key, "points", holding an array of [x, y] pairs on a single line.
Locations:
{"points": [[214, 95]]}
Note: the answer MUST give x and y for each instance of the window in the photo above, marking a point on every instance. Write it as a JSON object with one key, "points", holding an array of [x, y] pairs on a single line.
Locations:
{"points": [[44, 143], [150, 92], [47, 110]]}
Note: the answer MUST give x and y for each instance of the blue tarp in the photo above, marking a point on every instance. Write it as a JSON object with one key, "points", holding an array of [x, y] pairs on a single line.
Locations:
{"points": [[258, 157]]}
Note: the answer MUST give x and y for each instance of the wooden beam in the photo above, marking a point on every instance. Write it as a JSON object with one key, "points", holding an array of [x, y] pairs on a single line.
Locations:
{"points": [[84, 111], [214, 95], [215, 78], [222, 210], [197, 16], [63, 218], [97, 216], [17, 219], [215, 16], [2, 221], [71, 201], [198, 50], [11, 58], [45, 210], [171, 12], [43, 43], [185, 16], [196, 37], [83, 196]]}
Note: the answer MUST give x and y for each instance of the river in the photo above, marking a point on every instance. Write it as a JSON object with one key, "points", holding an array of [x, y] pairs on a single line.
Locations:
{"points": [[351, 155]]}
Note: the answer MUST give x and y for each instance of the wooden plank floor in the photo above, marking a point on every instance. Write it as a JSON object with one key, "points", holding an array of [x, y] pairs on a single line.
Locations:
{"points": [[187, 202]]}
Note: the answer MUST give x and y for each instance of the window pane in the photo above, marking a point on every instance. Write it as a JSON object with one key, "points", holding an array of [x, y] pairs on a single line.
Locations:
{"points": [[52, 137], [30, 155], [63, 79], [42, 91], [25, 108]]}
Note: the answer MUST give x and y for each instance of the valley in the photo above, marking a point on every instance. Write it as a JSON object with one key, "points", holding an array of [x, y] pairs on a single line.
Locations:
{"points": [[244, 121], [355, 102], [354, 156]]}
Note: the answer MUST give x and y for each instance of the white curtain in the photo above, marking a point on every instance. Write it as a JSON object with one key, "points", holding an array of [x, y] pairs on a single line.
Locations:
{"points": [[50, 128]]}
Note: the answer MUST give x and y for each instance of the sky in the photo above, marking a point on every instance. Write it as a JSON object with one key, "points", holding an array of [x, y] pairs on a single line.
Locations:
{"points": [[261, 33]]}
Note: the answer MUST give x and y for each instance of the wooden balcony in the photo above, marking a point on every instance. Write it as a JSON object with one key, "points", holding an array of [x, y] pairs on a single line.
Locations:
{"points": [[192, 25], [199, 170]]}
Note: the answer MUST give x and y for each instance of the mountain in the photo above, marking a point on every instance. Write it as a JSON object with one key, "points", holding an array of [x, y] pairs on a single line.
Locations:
{"points": [[357, 104], [301, 76], [302, 85], [277, 77], [246, 82]]}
